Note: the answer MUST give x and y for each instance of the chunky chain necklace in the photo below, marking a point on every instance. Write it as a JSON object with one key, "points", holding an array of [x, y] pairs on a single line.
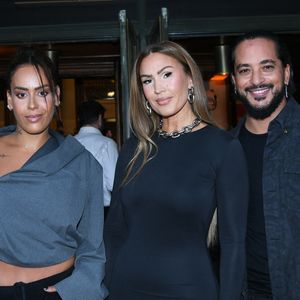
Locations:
{"points": [[177, 133]]}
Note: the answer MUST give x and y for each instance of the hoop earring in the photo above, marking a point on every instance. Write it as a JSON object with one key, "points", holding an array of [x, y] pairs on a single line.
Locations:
{"points": [[235, 91], [191, 95], [148, 108], [286, 94]]}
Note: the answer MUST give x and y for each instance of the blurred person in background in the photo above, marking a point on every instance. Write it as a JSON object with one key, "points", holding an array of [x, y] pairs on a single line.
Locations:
{"points": [[103, 148]]}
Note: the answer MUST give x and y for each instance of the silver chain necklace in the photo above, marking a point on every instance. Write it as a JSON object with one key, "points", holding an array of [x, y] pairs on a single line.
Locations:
{"points": [[177, 133]]}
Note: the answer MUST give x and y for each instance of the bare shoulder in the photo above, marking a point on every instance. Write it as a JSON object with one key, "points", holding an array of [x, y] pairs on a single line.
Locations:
{"points": [[6, 142], [12, 157]]}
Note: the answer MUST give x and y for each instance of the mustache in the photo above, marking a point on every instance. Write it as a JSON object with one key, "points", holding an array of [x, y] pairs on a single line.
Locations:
{"points": [[260, 86]]}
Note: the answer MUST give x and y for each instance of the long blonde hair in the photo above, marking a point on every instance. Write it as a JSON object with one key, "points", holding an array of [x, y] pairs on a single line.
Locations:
{"points": [[144, 126]]}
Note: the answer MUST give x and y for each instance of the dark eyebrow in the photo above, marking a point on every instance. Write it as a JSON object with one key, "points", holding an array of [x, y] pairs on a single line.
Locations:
{"points": [[263, 62], [159, 72], [242, 66], [36, 89], [267, 61]]}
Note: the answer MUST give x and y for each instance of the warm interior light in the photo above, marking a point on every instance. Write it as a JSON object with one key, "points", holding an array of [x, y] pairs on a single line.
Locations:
{"points": [[110, 94], [219, 77]]}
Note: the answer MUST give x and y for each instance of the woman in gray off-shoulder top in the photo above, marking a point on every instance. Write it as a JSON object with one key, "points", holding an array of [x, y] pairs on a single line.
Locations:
{"points": [[51, 208]]}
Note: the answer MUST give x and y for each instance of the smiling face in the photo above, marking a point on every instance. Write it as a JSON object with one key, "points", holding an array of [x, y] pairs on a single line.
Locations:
{"points": [[165, 85], [31, 99], [259, 77]]}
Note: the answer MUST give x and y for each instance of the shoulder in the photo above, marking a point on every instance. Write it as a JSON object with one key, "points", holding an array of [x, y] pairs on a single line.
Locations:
{"points": [[222, 145], [69, 141], [95, 139], [7, 130], [130, 144], [79, 153], [221, 136], [128, 149], [294, 108], [235, 131], [109, 142]]}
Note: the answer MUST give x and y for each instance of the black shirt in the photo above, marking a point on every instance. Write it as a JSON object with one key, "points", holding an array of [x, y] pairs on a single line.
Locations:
{"points": [[257, 260]]}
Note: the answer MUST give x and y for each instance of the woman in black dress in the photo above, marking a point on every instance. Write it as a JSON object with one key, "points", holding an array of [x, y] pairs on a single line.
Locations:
{"points": [[171, 175]]}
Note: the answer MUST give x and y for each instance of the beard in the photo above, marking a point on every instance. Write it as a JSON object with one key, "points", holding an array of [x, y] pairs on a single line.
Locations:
{"points": [[260, 113]]}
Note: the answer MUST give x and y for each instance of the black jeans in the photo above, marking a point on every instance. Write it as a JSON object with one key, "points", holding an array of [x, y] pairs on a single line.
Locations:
{"points": [[33, 290]]}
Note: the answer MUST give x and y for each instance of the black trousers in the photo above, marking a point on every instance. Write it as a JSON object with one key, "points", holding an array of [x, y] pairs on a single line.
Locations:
{"points": [[33, 290]]}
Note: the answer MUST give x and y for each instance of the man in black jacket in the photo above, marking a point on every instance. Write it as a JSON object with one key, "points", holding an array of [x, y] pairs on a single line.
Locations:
{"points": [[270, 135]]}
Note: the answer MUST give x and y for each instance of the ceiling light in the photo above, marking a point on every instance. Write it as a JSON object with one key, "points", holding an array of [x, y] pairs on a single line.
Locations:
{"points": [[222, 59]]}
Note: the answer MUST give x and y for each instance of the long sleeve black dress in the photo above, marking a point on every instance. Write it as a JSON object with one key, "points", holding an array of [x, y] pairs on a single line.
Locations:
{"points": [[156, 231]]}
